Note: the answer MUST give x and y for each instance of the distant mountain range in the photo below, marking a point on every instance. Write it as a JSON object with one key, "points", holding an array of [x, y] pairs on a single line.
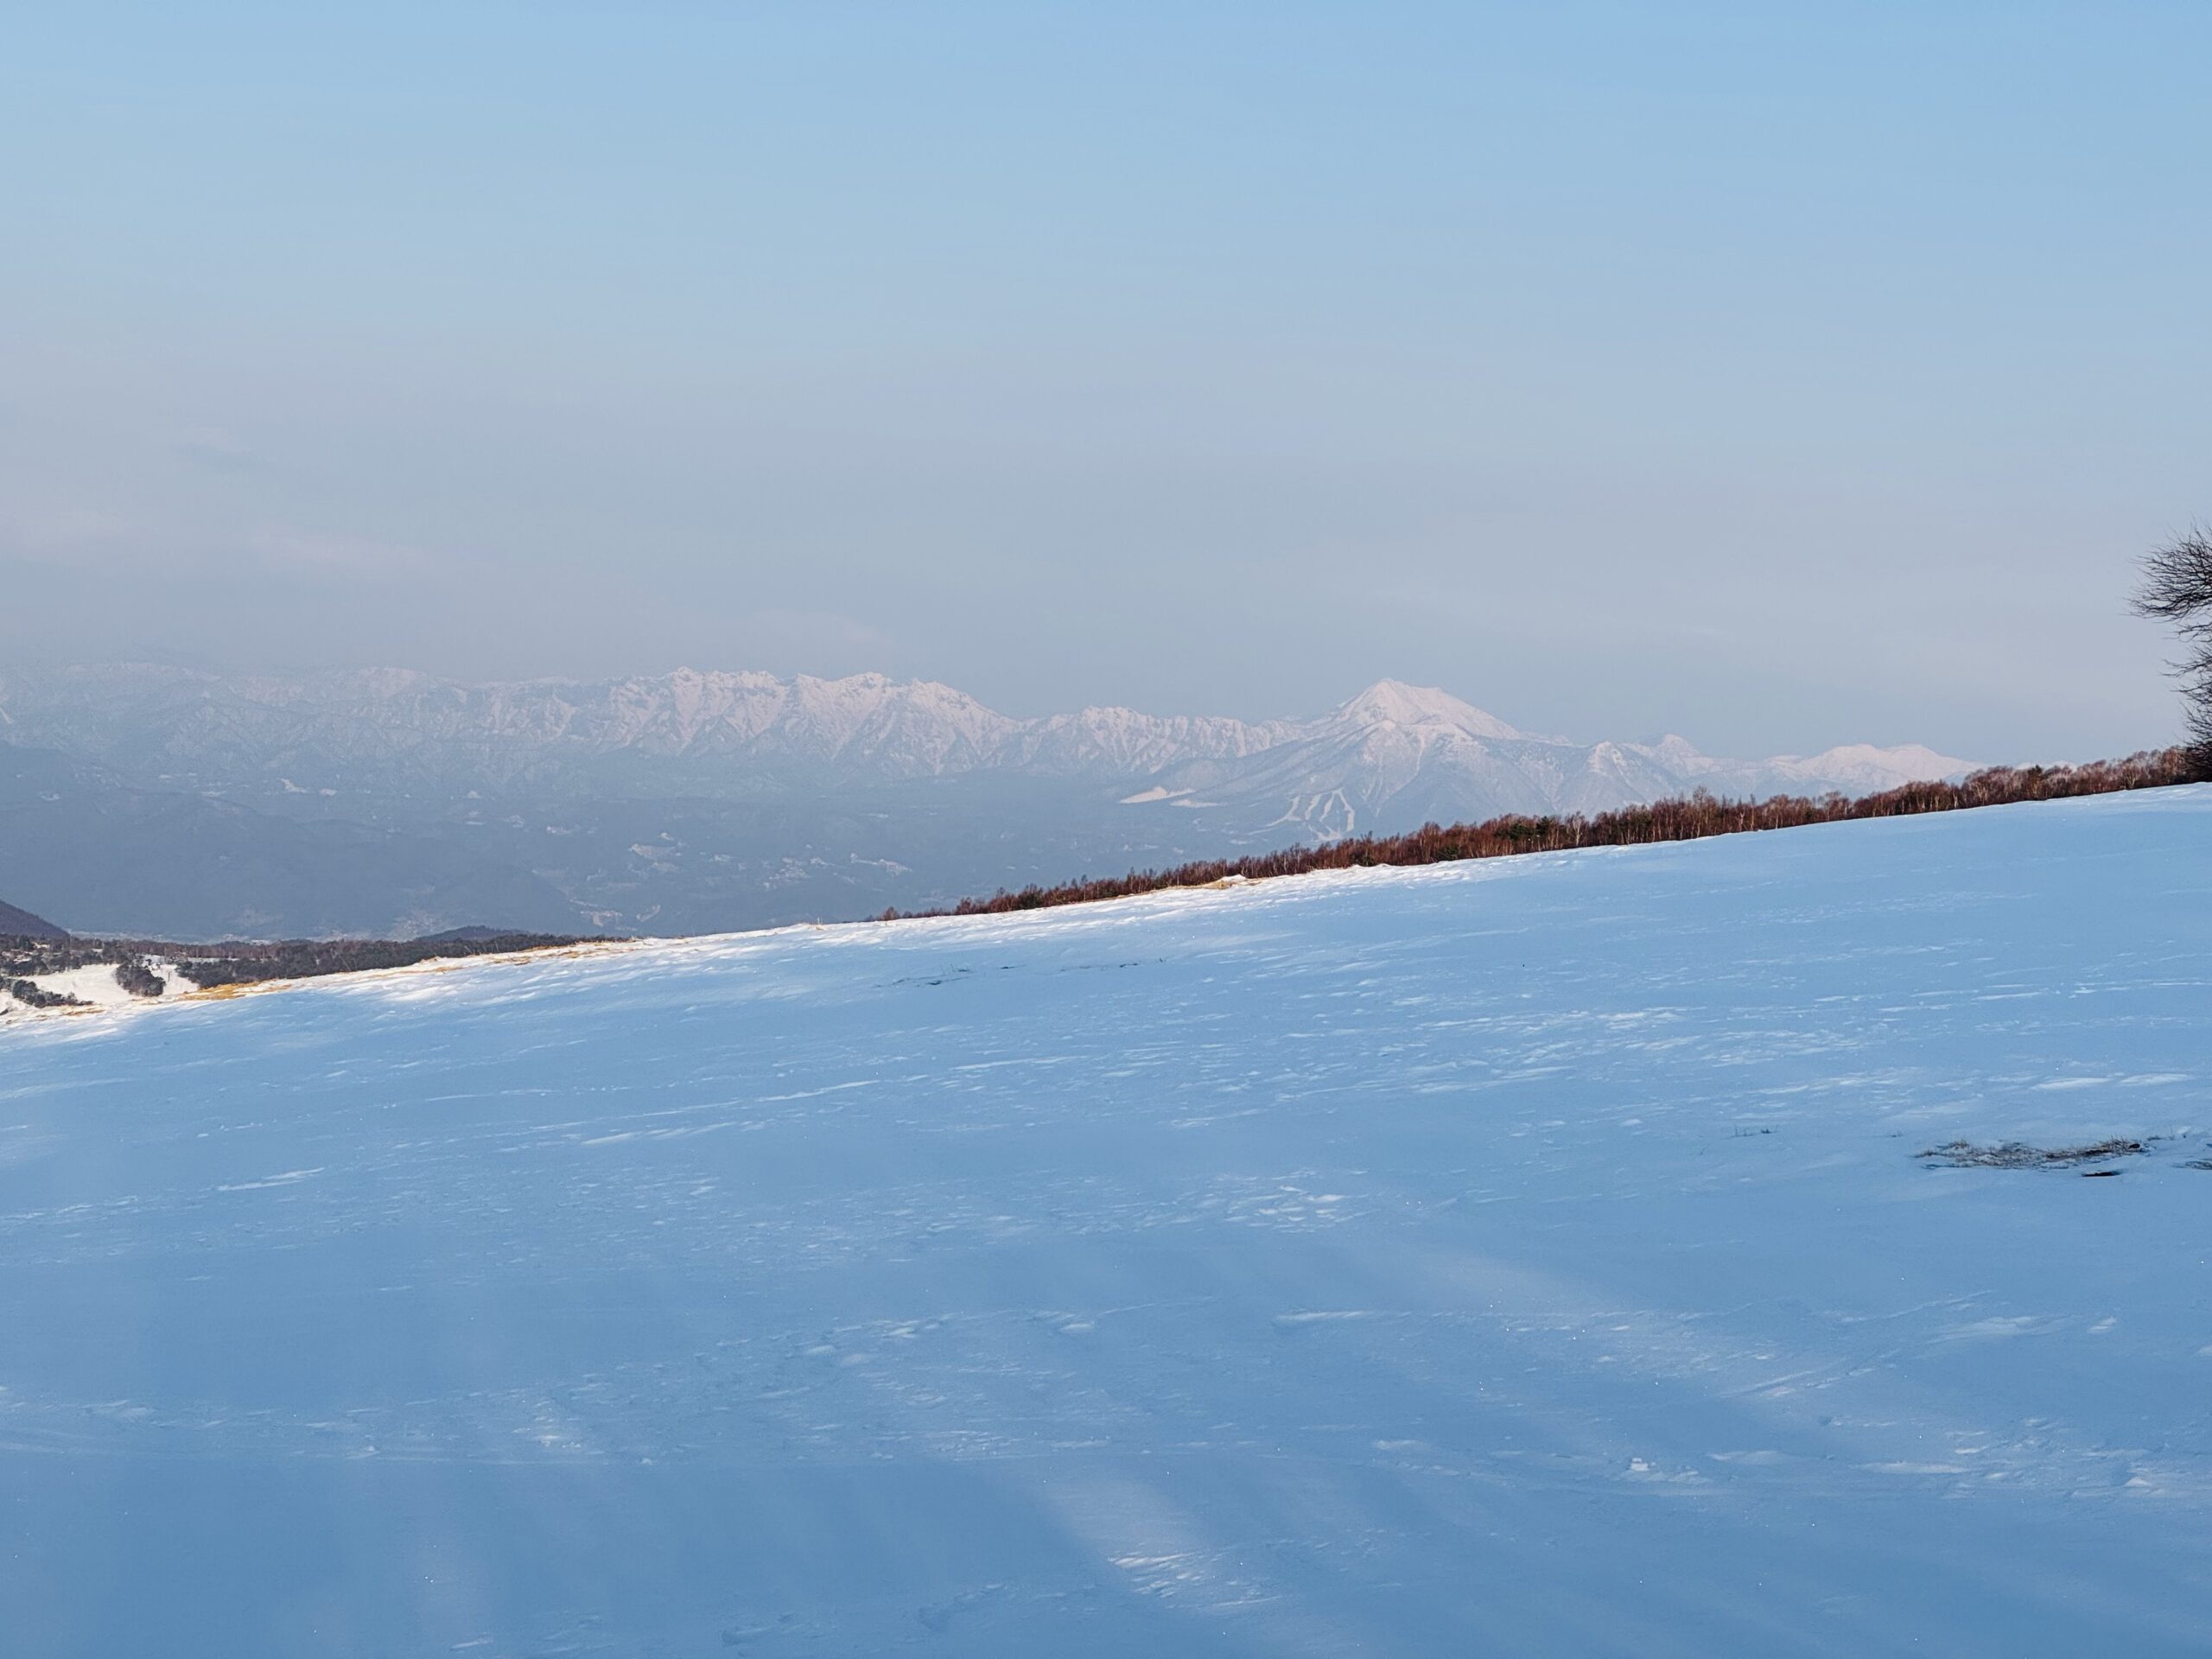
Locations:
{"points": [[152, 800]]}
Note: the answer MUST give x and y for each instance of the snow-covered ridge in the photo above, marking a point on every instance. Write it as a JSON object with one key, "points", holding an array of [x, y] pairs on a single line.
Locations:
{"points": [[1533, 1250], [159, 802], [1391, 740]]}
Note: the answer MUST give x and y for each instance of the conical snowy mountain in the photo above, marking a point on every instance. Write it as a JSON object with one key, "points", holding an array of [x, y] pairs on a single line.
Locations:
{"points": [[1398, 755], [1419, 709], [696, 799]]}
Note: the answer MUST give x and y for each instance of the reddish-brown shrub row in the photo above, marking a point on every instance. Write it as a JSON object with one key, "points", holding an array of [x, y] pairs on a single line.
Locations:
{"points": [[1687, 819]]}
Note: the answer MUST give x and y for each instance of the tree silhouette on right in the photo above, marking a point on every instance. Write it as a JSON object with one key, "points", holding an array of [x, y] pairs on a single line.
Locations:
{"points": [[2178, 588]]}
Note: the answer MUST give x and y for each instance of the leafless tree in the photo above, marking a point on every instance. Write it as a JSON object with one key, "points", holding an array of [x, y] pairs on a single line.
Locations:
{"points": [[2178, 588]]}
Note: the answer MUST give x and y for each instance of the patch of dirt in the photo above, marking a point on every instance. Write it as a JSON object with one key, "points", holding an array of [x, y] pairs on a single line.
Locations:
{"points": [[2017, 1154]]}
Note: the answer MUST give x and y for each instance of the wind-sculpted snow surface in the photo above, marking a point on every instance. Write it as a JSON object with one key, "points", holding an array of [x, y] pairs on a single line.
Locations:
{"points": [[1521, 1257]]}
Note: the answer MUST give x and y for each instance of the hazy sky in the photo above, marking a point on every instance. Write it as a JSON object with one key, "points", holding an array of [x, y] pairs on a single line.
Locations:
{"points": [[1777, 374]]}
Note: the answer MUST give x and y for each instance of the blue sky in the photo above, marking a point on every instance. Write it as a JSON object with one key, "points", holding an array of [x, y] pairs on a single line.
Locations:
{"points": [[1778, 375]]}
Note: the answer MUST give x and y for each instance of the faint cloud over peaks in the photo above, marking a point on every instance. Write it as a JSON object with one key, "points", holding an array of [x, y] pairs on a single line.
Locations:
{"points": [[60, 535], [213, 447], [293, 550], [102, 544], [829, 631]]}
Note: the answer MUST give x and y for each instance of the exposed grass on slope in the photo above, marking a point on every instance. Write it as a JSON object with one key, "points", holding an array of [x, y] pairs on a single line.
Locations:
{"points": [[2017, 1154], [1687, 819]]}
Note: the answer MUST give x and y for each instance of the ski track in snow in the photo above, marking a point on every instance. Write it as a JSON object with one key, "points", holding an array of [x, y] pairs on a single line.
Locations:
{"points": [[1526, 1257]]}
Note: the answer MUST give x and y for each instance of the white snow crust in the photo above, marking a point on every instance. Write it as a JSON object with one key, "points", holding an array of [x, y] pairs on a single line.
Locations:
{"points": [[94, 985], [1521, 1257]]}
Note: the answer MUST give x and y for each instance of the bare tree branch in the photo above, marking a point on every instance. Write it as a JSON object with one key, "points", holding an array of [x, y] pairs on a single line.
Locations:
{"points": [[2176, 588], [2177, 581]]}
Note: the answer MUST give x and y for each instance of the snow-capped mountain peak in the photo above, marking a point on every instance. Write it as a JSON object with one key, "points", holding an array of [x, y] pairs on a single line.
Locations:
{"points": [[1395, 702], [1863, 767], [1676, 754]]}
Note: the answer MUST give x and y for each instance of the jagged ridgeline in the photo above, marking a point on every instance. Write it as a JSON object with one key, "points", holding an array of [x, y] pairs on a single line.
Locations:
{"points": [[149, 800]]}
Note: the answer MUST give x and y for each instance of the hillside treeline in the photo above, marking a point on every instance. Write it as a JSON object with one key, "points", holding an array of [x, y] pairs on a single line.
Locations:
{"points": [[314, 958], [1690, 818], [236, 962]]}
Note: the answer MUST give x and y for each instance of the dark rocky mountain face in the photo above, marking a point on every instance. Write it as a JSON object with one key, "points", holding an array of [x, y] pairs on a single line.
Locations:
{"points": [[154, 800], [22, 924]]}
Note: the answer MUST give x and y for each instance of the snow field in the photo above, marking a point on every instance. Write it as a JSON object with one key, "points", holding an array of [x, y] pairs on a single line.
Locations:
{"points": [[1527, 1256]]}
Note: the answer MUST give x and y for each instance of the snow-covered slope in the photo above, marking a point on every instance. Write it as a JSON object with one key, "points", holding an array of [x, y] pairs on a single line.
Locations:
{"points": [[1524, 1257]]}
